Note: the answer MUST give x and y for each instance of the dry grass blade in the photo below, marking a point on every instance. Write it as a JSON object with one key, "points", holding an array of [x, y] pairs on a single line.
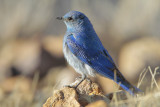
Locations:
{"points": [[141, 77], [154, 74], [115, 99], [153, 77]]}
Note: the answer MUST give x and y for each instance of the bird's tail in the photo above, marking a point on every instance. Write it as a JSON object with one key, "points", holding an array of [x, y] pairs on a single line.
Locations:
{"points": [[130, 88], [125, 84]]}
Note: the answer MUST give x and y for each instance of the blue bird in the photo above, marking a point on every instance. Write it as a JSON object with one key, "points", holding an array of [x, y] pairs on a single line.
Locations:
{"points": [[84, 51]]}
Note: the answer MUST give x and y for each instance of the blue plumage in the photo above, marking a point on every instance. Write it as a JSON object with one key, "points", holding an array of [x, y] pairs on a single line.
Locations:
{"points": [[85, 53]]}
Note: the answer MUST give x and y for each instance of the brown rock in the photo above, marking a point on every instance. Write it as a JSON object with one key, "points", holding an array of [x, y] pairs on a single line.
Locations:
{"points": [[65, 97], [90, 92], [86, 93]]}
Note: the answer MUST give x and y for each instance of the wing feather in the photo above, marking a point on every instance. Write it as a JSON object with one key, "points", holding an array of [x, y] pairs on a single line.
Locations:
{"points": [[99, 60]]}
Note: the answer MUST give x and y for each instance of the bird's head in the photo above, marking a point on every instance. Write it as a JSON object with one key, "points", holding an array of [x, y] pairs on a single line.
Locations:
{"points": [[75, 20]]}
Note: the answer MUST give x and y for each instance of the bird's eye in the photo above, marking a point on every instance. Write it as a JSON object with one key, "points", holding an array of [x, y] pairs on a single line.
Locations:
{"points": [[70, 18]]}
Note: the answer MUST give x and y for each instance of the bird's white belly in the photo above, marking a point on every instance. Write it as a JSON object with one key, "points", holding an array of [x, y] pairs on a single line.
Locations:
{"points": [[77, 64]]}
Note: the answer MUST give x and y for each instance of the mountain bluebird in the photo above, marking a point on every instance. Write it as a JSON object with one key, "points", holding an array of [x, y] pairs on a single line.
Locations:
{"points": [[84, 51]]}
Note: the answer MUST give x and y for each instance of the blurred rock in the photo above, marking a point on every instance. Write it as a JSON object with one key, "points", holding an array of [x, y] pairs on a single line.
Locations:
{"points": [[107, 85], [99, 103], [48, 61], [86, 93], [19, 55], [17, 89], [53, 44], [51, 54], [26, 56], [18, 83], [137, 55]]}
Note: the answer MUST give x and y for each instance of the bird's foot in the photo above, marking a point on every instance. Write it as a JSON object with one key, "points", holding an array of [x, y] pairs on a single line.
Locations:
{"points": [[77, 83]]}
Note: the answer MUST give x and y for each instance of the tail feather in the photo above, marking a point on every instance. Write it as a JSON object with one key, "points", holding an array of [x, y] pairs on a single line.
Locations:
{"points": [[125, 84], [130, 88]]}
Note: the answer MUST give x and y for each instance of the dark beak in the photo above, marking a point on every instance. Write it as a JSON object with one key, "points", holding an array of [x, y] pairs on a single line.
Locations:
{"points": [[59, 18]]}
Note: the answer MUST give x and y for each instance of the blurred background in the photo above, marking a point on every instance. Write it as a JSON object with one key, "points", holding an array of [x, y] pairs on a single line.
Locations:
{"points": [[32, 64]]}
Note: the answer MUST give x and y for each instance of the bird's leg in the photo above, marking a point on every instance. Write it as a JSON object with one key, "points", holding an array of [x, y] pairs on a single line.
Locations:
{"points": [[82, 79], [75, 86]]}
